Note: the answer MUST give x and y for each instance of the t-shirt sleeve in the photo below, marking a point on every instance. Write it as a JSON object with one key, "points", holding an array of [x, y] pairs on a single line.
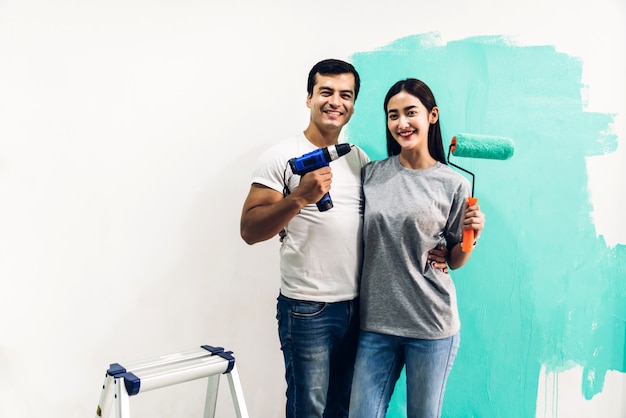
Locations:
{"points": [[454, 229], [363, 157], [271, 169]]}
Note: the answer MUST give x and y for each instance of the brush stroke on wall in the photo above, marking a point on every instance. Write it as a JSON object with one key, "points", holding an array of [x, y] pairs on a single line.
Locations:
{"points": [[542, 290]]}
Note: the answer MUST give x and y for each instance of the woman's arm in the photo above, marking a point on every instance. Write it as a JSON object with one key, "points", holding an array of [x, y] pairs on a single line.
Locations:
{"points": [[473, 218]]}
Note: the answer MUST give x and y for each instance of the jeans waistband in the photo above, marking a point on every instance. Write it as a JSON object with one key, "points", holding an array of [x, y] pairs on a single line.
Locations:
{"points": [[281, 296]]}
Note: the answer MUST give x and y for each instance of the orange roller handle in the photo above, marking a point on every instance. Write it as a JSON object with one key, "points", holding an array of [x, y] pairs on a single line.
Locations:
{"points": [[468, 234]]}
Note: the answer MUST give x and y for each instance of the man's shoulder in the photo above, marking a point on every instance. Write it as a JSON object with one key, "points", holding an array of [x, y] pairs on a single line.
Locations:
{"points": [[359, 154], [284, 144], [362, 153], [283, 150]]}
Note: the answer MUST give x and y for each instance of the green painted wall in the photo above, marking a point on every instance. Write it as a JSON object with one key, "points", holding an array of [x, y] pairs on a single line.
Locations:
{"points": [[541, 288]]}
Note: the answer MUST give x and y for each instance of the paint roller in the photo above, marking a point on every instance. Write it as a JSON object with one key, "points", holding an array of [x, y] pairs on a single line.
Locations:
{"points": [[478, 146]]}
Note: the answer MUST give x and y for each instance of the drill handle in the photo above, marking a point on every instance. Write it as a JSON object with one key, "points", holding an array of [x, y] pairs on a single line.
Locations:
{"points": [[325, 203]]}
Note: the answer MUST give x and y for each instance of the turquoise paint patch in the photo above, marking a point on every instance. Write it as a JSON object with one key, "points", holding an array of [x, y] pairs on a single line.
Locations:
{"points": [[541, 288]]}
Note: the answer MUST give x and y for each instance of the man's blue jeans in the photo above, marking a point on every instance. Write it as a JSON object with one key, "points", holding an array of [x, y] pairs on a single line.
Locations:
{"points": [[319, 343], [380, 359]]}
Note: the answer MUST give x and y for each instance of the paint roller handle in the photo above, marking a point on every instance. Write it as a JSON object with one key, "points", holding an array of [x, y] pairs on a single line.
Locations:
{"points": [[468, 234]]}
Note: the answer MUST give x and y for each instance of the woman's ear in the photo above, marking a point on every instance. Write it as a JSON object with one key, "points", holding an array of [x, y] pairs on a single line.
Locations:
{"points": [[434, 115]]}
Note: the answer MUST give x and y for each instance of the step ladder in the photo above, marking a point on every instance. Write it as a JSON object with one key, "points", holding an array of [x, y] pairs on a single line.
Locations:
{"points": [[122, 382]]}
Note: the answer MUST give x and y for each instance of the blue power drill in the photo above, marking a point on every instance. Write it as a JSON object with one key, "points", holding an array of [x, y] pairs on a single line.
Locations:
{"points": [[319, 158]]}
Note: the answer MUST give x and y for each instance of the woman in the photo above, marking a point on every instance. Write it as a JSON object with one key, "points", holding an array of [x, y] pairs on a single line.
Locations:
{"points": [[409, 314]]}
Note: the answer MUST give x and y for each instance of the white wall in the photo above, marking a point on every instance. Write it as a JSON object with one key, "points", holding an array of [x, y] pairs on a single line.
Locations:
{"points": [[127, 134]]}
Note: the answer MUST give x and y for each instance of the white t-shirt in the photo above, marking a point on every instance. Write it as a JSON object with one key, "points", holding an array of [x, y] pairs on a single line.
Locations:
{"points": [[321, 253]]}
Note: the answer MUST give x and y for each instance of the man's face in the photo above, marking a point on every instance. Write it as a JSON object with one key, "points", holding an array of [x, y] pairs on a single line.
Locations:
{"points": [[332, 101]]}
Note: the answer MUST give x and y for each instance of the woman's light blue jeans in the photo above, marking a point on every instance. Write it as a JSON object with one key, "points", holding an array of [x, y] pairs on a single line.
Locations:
{"points": [[380, 359], [319, 343]]}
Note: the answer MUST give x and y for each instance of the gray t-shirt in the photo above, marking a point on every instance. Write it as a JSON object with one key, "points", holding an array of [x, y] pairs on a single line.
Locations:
{"points": [[407, 213]]}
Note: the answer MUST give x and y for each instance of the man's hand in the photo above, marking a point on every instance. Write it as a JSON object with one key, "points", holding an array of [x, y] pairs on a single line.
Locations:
{"points": [[437, 258], [314, 185], [266, 211]]}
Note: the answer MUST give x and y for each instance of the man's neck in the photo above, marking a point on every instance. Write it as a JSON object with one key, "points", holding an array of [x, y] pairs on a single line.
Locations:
{"points": [[321, 138]]}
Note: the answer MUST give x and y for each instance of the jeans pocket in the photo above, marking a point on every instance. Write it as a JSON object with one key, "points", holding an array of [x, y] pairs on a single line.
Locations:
{"points": [[306, 309]]}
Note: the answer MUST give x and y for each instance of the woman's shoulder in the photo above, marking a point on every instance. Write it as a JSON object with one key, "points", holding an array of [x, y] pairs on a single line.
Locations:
{"points": [[451, 176], [378, 169], [381, 163], [447, 170]]}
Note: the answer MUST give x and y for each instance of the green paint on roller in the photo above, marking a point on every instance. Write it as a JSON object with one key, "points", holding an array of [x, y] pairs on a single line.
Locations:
{"points": [[482, 146]]}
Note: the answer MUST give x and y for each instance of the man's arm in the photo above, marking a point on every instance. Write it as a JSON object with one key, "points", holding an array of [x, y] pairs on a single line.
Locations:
{"points": [[266, 212], [438, 258]]}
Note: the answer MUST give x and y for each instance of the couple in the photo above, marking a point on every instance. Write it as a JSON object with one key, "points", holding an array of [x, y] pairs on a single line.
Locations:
{"points": [[371, 272]]}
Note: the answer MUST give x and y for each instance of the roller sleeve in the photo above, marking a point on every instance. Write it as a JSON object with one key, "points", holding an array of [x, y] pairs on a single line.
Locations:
{"points": [[482, 146]]}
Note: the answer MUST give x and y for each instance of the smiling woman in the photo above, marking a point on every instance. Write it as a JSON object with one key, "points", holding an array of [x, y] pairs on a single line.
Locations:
{"points": [[409, 314]]}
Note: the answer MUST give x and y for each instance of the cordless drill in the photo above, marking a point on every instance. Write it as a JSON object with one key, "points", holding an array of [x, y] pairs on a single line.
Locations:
{"points": [[319, 158]]}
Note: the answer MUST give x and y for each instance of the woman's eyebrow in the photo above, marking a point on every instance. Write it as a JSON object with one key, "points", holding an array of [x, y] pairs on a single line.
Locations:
{"points": [[405, 109]]}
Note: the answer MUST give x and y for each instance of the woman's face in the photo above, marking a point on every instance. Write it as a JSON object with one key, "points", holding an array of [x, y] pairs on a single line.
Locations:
{"points": [[408, 120]]}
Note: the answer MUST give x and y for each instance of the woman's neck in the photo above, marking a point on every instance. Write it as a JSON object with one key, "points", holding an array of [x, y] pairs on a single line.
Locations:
{"points": [[416, 160]]}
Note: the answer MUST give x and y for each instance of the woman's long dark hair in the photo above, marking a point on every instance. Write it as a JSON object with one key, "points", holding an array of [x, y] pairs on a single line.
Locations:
{"points": [[420, 90]]}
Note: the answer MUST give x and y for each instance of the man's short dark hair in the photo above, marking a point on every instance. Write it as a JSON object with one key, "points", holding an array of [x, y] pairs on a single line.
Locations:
{"points": [[333, 67]]}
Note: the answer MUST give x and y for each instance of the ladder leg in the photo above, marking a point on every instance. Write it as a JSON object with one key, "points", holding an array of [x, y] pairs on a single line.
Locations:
{"points": [[106, 398], [211, 396], [122, 399], [237, 393]]}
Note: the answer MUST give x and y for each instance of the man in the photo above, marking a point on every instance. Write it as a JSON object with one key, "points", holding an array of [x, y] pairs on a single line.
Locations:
{"points": [[317, 308]]}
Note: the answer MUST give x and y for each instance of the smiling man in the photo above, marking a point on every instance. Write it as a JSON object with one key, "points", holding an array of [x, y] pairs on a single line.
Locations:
{"points": [[317, 307]]}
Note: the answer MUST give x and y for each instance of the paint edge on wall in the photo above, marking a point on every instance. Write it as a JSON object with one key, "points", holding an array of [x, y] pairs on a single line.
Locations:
{"points": [[559, 396], [605, 172]]}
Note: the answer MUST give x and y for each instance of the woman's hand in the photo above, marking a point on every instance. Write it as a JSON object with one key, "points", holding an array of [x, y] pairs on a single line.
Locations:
{"points": [[474, 219]]}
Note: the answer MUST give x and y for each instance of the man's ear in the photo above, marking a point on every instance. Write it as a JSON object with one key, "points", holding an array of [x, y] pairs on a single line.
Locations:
{"points": [[308, 101]]}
